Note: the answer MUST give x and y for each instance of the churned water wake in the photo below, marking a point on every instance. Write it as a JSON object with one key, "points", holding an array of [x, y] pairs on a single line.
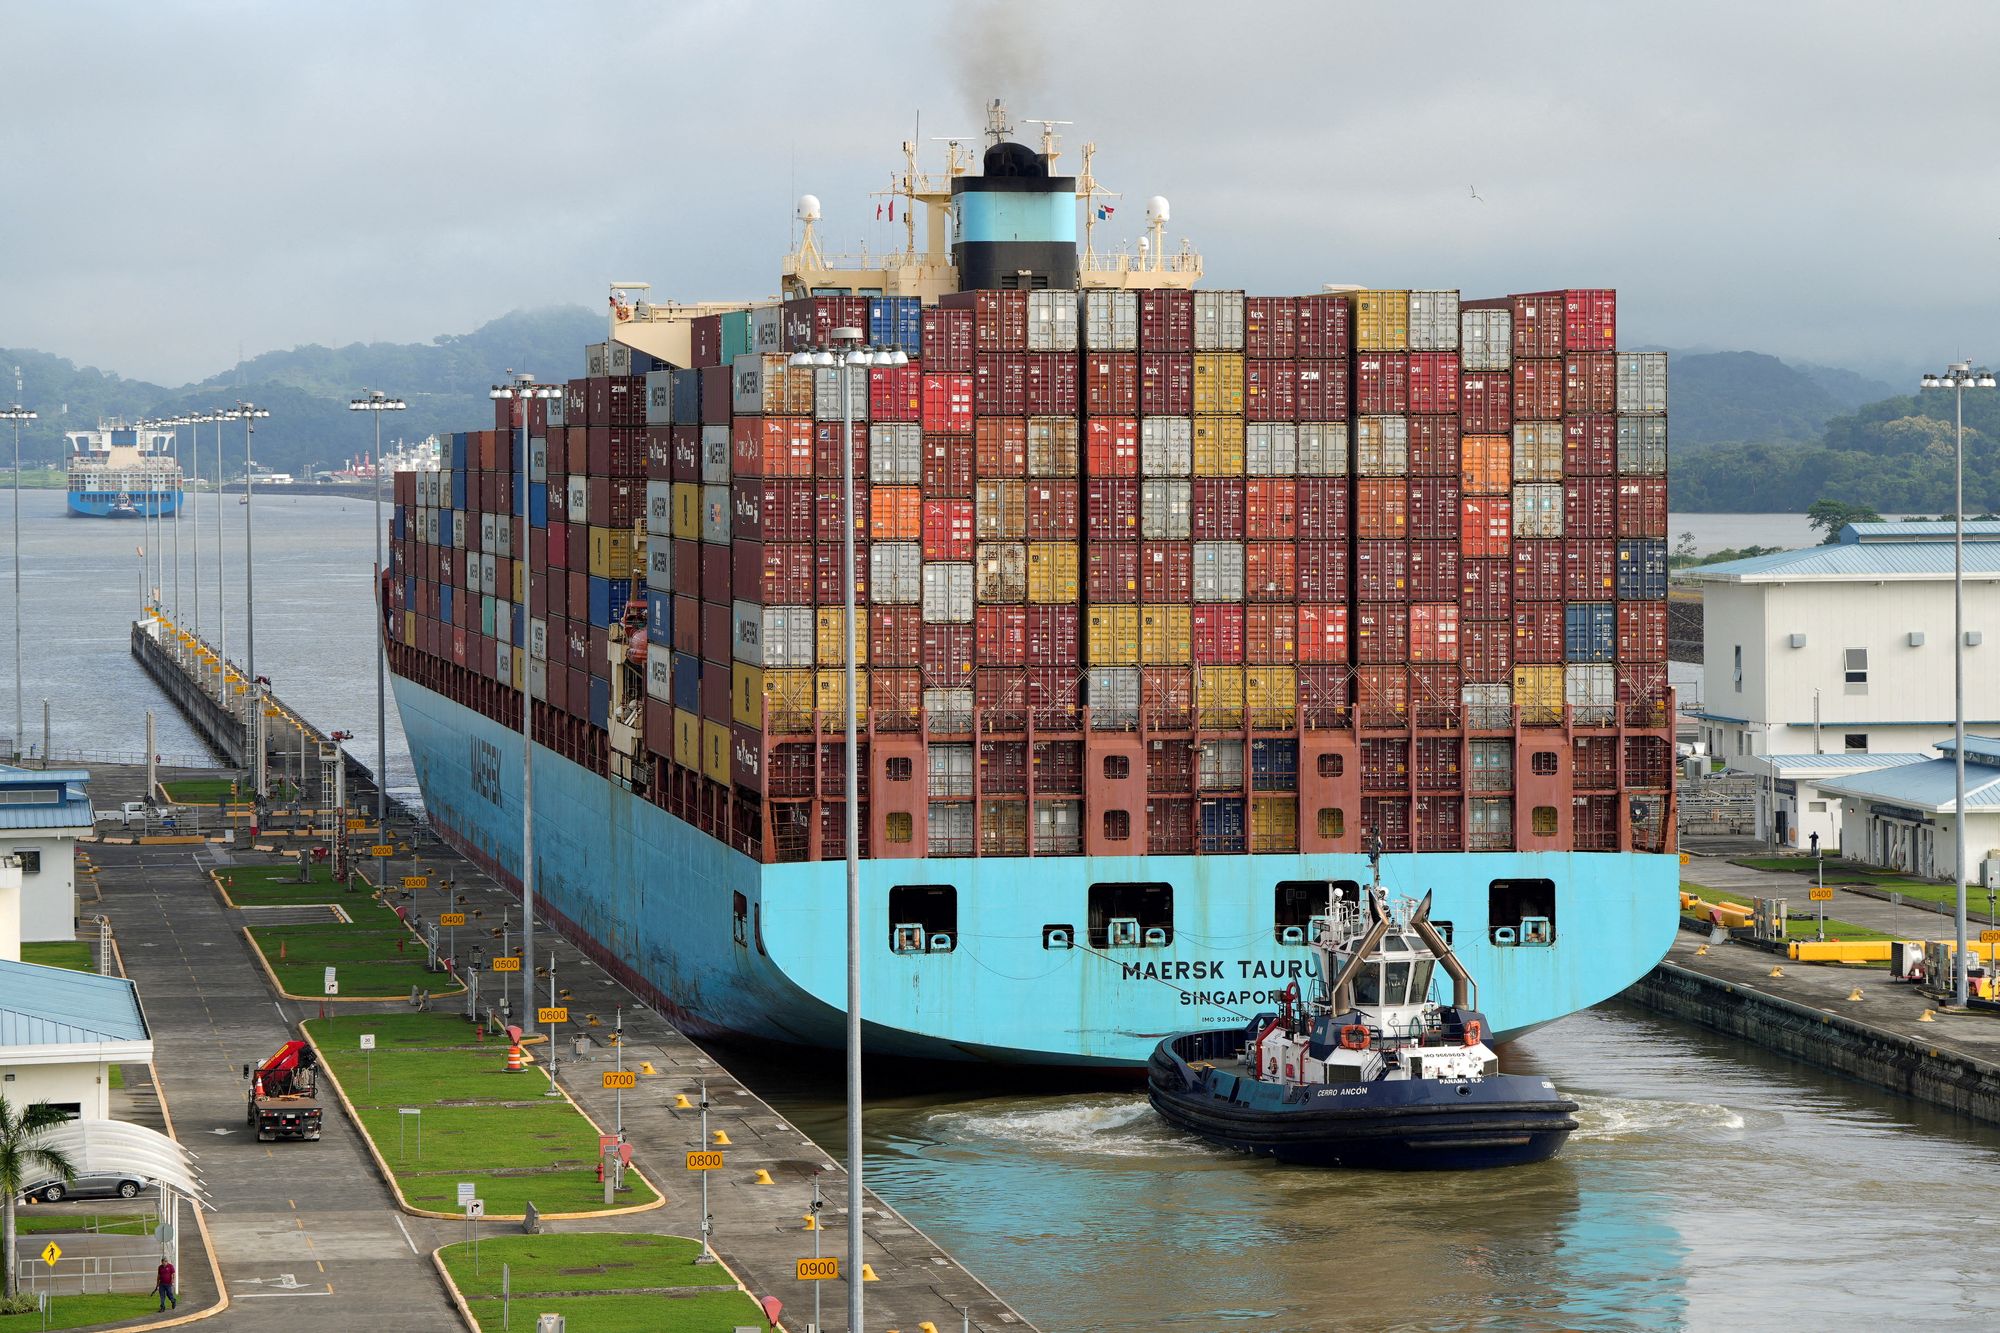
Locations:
{"points": [[1104, 1124], [1621, 1117]]}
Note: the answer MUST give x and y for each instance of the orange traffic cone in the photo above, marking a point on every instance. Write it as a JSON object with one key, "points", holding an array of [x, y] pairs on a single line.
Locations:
{"points": [[281, 943], [514, 1065]]}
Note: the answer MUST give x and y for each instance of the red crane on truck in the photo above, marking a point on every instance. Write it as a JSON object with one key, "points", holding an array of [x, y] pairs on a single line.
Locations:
{"points": [[283, 1102]]}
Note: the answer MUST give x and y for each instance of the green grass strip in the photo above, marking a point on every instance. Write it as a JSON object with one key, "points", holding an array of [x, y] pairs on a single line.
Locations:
{"points": [[74, 955], [595, 1261], [709, 1312]]}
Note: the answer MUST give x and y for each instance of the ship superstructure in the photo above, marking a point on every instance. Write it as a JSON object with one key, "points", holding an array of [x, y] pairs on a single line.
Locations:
{"points": [[123, 471]]}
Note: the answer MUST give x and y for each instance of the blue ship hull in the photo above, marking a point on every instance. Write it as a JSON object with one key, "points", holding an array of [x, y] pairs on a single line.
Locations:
{"points": [[124, 504], [732, 948]]}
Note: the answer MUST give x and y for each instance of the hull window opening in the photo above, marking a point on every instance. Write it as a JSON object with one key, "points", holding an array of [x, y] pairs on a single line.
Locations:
{"points": [[1299, 901], [1521, 912], [739, 920], [923, 918], [1131, 916]]}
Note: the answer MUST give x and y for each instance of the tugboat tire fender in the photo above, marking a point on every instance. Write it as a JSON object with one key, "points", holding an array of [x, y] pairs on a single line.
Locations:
{"points": [[1354, 1037]]}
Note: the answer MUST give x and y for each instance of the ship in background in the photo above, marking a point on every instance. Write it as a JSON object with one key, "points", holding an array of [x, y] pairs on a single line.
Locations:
{"points": [[1172, 599], [425, 455], [122, 471]]}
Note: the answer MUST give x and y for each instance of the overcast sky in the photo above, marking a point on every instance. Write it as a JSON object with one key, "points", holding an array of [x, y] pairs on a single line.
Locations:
{"points": [[186, 178]]}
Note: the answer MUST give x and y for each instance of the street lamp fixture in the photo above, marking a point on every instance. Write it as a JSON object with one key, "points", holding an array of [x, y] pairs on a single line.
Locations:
{"points": [[375, 403], [17, 414], [1958, 377], [250, 414], [848, 353]]}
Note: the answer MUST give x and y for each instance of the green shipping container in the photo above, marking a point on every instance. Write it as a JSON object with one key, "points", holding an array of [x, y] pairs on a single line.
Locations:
{"points": [[735, 336]]}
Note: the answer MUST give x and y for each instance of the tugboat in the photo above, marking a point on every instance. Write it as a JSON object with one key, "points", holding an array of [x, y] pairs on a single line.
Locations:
{"points": [[1369, 1073]]}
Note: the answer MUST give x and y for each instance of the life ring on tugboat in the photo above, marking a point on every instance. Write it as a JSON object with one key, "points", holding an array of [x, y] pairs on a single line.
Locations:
{"points": [[1472, 1032], [1354, 1037]]}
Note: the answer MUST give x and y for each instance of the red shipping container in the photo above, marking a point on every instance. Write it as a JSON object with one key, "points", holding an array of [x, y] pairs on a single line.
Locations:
{"points": [[1486, 525], [717, 384], [1166, 572], [1381, 383], [1270, 571], [1590, 320], [1218, 633], [1538, 570], [705, 341], [948, 340], [1000, 447], [785, 510], [1588, 570], [1002, 320], [1486, 402], [1000, 384], [1322, 570], [1111, 447], [659, 453], [947, 404], [894, 514], [1590, 446], [746, 510], [1055, 513], [1486, 650], [1166, 320], [1053, 636], [828, 560], [1434, 508], [947, 656], [1166, 384], [1590, 508], [1322, 633], [1111, 508], [1271, 391], [826, 451], [1052, 387], [896, 393], [1382, 571], [1538, 324], [1271, 508], [1433, 383], [576, 448], [718, 580], [1000, 635], [1435, 695], [1433, 449], [1111, 383], [1538, 633], [1433, 632], [895, 637], [1323, 505], [1270, 635], [687, 453], [1111, 572], [1590, 382], [1642, 507], [1382, 632], [1486, 589], [895, 700], [1216, 514], [1271, 326], [1538, 390], [687, 568], [1382, 508], [1434, 575], [947, 528], [1323, 323], [1322, 392], [1642, 631], [948, 466], [809, 321], [1166, 697]]}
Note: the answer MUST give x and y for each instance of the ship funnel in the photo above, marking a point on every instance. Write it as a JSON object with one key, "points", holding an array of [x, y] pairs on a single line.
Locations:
{"points": [[1016, 222]]}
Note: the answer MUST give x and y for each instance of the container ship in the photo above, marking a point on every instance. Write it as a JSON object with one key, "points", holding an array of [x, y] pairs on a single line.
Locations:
{"points": [[121, 471], [1171, 600]]}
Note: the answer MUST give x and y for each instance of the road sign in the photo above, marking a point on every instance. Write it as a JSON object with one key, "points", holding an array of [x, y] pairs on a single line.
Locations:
{"points": [[416, 881], [451, 918], [382, 849], [506, 962], [50, 1253], [1685, 858], [620, 1078], [465, 1189], [702, 1160], [475, 1208], [332, 985], [819, 1270], [1989, 937], [1820, 893], [552, 1014], [367, 1041], [356, 825]]}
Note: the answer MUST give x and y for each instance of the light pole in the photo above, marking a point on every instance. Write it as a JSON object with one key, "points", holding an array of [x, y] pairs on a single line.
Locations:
{"points": [[193, 483], [17, 414], [218, 416], [249, 414], [846, 351], [375, 404], [1958, 377], [521, 387]]}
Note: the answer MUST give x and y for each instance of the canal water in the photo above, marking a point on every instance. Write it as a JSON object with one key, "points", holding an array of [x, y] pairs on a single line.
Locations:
{"points": [[1712, 1186]]}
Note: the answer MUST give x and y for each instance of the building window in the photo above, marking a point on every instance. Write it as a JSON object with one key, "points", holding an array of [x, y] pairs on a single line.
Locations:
{"points": [[1330, 766], [1544, 763], [1131, 916], [899, 827], [1855, 742], [1739, 668], [1117, 825], [1856, 666], [1332, 823], [899, 769], [923, 918], [1817, 807], [1521, 911], [1117, 768], [31, 860], [1544, 821]]}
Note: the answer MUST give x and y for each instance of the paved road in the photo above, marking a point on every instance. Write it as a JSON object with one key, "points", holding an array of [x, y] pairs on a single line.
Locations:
{"points": [[1915, 922]]}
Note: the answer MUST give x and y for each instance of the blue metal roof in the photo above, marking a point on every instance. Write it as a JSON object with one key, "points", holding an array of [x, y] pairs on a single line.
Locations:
{"points": [[1982, 750], [69, 808], [1926, 786], [1917, 528], [1855, 560], [1789, 763], [53, 1006]]}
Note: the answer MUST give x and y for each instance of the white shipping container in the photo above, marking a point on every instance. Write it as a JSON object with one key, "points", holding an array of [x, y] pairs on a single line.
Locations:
{"points": [[1111, 320], [538, 640], [1382, 446], [948, 710], [597, 360], [947, 593], [1219, 766], [715, 455], [1433, 321], [1538, 451], [660, 677], [578, 499], [895, 575], [896, 453], [538, 458], [503, 663], [1642, 446], [1000, 573], [1052, 321], [1052, 447], [767, 328], [1487, 339], [461, 527], [1000, 510], [826, 394], [1538, 511], [1166, 509], [1166, 446], [715, 515], [746, 384], [538, 680], [1218, 569], [503, 536], [503, 623], [788, 637], [557, 410], [1591, 693], [660, 564], [659, 398], [487, 532], [949, 770], [1323, 448], [617, 359], [660, 508], [1218, 321], [1642, 383], [950, 829], [1114, 698], [1271, 449], [1058, 824]]}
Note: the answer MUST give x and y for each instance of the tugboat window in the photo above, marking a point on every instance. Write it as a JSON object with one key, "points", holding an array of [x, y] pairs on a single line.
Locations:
{"points": [[923, 918], [1521, 912], [1298, 901], [1397, 977], [1368, 986], [1131, 916], [1420, 981]]}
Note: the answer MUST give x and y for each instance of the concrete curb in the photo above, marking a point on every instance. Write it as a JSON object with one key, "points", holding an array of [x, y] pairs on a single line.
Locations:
{"points": [[451, 1289], [465, 1306], [272, 977], [402, 1202]]}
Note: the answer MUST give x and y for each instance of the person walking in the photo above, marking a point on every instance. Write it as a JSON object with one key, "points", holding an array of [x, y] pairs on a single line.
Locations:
{"points": [[164, 1285]]}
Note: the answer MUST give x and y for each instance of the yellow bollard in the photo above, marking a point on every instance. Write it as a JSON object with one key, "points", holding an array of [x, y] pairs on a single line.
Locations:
{"points": [[721, 1138], [812, 1223], [868, 1273], [1854, 995], [681, 1102], [1776, 972], [927, 1327], [1928, 1016], [646, 1068], [763, 1177], [1700, 951]]}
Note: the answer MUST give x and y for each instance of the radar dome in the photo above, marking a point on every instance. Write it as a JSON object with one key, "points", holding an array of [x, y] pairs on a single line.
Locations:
{"points": [[809, 208], [1157, 210]]}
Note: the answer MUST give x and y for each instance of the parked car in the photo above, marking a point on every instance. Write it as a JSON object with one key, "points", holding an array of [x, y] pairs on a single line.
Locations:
{"points": [[113, 1186]]}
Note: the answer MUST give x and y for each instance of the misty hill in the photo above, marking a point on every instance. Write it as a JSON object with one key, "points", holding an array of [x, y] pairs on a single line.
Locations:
{"points": [[1739, 397]]}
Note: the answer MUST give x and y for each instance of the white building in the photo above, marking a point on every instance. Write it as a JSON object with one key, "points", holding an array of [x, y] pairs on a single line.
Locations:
{"points": [[42, 814], [1843, 650], [1905, 818]]}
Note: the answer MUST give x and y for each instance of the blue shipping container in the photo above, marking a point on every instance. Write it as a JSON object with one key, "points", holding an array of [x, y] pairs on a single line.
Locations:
{"points": [[687, 396], [1274, 765], [444, 603], [608, 598], [1589, 631], [456, 455], [660, 616], [538, 507], [458, 489], [600, 701], [445, 518], [1642, 570], [687, 682], [896, 321], [645, 363], [410, 593], [1222, 824]]}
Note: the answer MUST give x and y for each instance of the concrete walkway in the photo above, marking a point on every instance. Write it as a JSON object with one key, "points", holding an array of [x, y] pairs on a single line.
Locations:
{"points": [[1908, 920]]}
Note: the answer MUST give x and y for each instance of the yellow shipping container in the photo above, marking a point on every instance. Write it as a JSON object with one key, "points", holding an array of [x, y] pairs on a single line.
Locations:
{"points": [[1166, 635], [828, 637], [1052, 573], [1381, 321], [1272, 693], [829, 690], [600, 552], [788, 698], [687, 739], [409, 629], [715, 750], [1218, 696], [746, 694], [520, 667], [1538, 693], [1218, 446], [1274, 823], [687, 511], [1114, 636], [1218, 383]]}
